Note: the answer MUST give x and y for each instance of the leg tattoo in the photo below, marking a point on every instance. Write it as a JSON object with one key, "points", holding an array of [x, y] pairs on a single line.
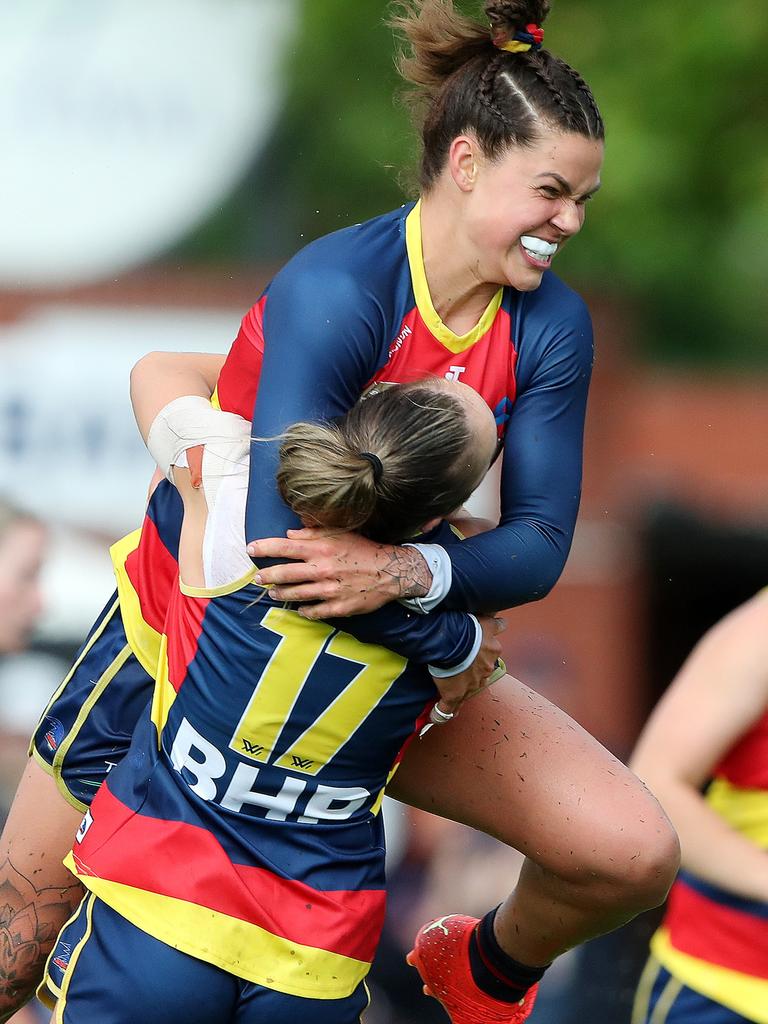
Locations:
{"points": [[30, 920]]}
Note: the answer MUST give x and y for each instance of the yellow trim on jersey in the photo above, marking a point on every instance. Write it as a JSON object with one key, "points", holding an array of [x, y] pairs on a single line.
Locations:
{"points": [[252, 952], [741, 993], [365, 1008], [215, 398], [87, 706], [48, 991], [745, 810], [376, 807], [453, 342], [163, 693], [58, 1014], [644, 991], [60, 689], [144, 640], [223, 590]]}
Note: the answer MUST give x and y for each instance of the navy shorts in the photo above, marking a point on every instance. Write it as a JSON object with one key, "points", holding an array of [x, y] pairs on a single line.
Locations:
{"points": [[103, 970], [87, 726], [663, 999]]}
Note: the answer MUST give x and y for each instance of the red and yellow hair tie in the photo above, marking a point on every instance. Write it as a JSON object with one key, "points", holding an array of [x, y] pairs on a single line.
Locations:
{"points": [[531, 39]]}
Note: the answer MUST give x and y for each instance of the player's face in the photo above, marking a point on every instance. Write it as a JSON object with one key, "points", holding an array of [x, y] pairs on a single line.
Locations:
{"points": [[523, 207], [21, 551]]}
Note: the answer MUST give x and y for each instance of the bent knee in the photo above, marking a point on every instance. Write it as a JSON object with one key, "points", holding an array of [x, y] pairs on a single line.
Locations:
{"points": [[635, 867], [651, 868]]}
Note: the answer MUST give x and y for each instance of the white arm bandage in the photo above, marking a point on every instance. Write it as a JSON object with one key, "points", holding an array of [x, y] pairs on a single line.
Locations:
{"points": [[189, 421]]}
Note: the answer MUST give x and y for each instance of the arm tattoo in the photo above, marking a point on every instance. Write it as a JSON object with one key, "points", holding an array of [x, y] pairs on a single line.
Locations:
{"points": [[30, 920], [408, 569]]}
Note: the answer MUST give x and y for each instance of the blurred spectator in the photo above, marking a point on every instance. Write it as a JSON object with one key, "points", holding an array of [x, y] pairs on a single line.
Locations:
{"points": [[22, 546]]}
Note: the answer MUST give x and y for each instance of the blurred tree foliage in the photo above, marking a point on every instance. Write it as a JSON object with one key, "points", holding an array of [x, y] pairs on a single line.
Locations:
{"points": [[681, 225]]}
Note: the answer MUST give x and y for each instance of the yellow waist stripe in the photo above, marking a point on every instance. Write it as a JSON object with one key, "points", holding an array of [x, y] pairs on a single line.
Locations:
{"points": [[739, 992], [236, 946], [745, 810]]}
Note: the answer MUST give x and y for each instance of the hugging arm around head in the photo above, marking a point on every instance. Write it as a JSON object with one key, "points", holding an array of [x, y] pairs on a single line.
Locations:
{"points": [[504, 103], [317, 366]]}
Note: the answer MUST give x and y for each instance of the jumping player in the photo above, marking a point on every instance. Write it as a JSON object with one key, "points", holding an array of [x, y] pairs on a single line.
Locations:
{"points": [[459, 285], [705, 753], [234, 857]]}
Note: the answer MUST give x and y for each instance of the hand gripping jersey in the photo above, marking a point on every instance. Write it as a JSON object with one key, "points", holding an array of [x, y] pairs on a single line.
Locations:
{"points": [[713, 941], [351, 310], [251, 838]]}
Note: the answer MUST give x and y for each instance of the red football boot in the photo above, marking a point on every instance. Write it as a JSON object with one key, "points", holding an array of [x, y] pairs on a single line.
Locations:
{"points": [[441, 956]]}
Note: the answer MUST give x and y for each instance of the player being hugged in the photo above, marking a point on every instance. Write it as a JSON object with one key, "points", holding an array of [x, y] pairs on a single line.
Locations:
{"points": [[235, 856], [456, 285]]}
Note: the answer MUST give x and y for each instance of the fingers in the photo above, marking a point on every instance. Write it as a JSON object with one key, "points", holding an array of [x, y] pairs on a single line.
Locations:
{"points": [[340, 607], [195, 464], [283, 547], [306, 591], [311, 533], [290, 574], [441, 713]]}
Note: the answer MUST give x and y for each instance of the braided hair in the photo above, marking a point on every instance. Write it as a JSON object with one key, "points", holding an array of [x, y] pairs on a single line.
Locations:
{"points": [[497, 82]]}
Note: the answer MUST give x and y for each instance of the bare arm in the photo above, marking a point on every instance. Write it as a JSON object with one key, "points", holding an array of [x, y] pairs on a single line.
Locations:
{"points": [[719, 693], [160, 377], [157, 379]]}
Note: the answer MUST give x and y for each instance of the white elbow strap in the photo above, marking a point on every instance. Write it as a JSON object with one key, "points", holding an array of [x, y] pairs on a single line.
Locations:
{"points": [[189, 421]]}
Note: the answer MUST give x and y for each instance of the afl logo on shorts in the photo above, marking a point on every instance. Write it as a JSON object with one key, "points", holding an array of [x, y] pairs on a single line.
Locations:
{"points": [[85, 824], [61, 956], [54, 733]]}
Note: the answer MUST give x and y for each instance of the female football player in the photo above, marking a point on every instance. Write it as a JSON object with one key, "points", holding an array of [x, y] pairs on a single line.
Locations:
{"points": [[457, 285], [235, 855]]}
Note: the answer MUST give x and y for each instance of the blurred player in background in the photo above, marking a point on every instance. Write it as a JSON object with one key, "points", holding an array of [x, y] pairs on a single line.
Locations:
{"points": [[22, 547], [704, 752], [457, 285]]}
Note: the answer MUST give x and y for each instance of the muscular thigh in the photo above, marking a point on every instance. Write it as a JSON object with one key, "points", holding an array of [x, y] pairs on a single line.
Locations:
{"points": [[513, 765]]}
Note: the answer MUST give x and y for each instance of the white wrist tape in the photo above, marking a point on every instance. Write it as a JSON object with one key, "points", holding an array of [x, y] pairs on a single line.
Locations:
{"points": [[189, 421], [444, 673]]}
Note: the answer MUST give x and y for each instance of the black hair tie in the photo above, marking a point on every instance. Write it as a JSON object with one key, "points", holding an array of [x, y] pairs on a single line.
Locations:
{"points": [[375, 461]]}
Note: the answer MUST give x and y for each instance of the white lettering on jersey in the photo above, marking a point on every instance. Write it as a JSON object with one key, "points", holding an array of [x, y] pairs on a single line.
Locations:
{"points": [[211, 767], [397, 344], [455, 372], [326, 803], [239, 792], [319, 806]]}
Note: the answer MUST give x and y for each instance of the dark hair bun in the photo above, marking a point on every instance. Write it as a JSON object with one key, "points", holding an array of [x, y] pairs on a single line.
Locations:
{"points": [[510, 16]]}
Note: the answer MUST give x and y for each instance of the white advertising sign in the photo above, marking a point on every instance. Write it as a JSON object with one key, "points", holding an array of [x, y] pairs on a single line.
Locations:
{"points": [[69, 447], [124, 123]]}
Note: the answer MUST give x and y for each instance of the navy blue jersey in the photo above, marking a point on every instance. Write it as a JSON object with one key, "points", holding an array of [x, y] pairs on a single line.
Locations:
{"points": [[335, 317], [353, 309]]}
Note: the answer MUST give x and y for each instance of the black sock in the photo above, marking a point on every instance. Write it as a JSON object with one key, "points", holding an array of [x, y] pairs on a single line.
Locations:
{"points": [[496, 973]]}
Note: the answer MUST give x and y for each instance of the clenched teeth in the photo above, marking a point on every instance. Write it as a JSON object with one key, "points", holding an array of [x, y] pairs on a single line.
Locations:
{"points": [[538, 248]]}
